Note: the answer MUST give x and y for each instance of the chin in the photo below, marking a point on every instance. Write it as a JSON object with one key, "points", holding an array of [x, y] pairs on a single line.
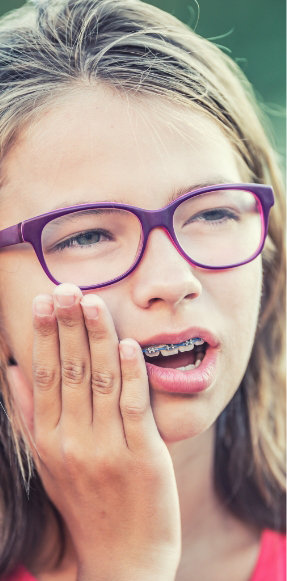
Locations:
{"points": [[179, 417]]}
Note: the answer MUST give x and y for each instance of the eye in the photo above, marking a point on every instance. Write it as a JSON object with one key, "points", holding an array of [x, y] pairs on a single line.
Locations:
{"points": [[216, 215], [87, 238]]}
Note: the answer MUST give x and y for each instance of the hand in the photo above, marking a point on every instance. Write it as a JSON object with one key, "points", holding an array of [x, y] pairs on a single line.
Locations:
{"points": [[101, 458]]}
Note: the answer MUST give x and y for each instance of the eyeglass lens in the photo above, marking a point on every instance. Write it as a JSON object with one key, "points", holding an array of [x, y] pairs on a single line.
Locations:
{"points": [[91, 247], [219, 229]]}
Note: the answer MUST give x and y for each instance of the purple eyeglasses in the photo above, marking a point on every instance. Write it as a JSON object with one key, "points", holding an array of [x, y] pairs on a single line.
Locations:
{"points": [[96, 245]]}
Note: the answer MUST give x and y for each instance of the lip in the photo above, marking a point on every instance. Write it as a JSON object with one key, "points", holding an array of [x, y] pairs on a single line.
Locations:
{"points": [[180, 337], [166, 379]]}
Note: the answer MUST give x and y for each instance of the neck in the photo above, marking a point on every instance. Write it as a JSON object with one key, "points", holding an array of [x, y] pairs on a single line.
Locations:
{"points": [[193, 466], [211, 534]]}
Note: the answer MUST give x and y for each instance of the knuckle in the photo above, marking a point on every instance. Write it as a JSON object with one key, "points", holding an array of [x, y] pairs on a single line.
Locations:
{"points": [[46, 454], [44, 327], [96, 333], [103, 382], [74, 372], [44, 377], [133, 410], [131, 374], [107, 467], [72, 458], [68, 320]]}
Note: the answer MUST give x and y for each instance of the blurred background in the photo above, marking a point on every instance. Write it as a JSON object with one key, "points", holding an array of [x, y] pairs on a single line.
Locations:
{"points": [[252, 32]]}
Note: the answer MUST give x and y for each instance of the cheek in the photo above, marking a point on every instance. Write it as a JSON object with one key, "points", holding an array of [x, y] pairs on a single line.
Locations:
{"points": [[230, 305], [21, 280], [236, 304], [22, 395], [118, 300], [239, 295]]}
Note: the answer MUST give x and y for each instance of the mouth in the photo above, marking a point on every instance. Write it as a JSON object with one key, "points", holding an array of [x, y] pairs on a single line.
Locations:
{"points": [[187, 366], [183, 356]]}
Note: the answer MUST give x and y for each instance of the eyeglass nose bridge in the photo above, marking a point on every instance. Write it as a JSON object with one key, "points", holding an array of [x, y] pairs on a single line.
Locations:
{"points": [[163, 218], [151, 219]]}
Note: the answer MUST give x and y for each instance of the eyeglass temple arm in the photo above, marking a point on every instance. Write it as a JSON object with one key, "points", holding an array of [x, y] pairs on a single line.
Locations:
{"points": [[11, 235]]}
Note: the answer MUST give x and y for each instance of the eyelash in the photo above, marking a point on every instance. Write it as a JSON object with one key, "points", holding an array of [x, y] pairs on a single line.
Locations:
{"points": [[228, 215], [68, 243]]}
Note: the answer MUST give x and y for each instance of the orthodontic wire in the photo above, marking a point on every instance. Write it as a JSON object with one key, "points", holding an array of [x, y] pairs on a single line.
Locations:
{"points": [[170, 346]]}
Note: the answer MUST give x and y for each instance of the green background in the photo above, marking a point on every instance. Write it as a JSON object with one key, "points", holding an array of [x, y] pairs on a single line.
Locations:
{"points": [[254, 35]]}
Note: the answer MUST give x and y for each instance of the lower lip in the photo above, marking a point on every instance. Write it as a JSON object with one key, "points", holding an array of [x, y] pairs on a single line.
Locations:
{"points": [[176, 381]]}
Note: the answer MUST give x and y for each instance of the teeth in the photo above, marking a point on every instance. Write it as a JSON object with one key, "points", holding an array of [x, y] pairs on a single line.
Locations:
{"points": [[170, 349], [190, 366], [187, 367], [186, 347], [168, 352]]}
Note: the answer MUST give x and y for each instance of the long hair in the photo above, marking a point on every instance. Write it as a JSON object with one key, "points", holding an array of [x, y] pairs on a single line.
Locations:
{"points": [[52, 47]]}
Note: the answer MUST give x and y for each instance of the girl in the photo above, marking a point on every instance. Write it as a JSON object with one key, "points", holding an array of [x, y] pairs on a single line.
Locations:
{"points": [[142, 405]]}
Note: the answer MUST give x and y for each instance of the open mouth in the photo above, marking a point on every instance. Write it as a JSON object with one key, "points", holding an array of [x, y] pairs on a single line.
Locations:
{"points": [[184, 358]]}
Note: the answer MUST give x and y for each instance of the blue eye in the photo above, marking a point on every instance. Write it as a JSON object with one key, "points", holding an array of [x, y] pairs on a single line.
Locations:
{"points": [[214, 215], [217, 214], [88, 238]]}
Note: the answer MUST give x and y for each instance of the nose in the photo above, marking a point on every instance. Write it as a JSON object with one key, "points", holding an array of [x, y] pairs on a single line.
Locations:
{"points": [[163, 275]]}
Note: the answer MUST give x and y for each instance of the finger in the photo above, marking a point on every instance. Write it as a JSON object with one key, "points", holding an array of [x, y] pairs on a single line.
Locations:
{"points": [[74, 355], [105, 373], [139, 425], [46, 364]]}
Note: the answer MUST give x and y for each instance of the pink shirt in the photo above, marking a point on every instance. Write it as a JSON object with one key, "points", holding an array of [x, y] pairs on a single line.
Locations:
{"points": [[270, 566]]}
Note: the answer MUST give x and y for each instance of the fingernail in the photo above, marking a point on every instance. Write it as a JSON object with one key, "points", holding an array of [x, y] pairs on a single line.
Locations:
{"points": [[90, 312], [89, 306], [65, 299], [127, 350], [43, 306]]}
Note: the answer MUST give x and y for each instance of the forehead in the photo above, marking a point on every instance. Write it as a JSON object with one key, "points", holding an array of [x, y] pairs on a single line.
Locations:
{"points": [[97, 146]]}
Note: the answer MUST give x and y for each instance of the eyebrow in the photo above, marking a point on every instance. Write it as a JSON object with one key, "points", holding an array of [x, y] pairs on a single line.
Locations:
{"points": [[173, 196], [213, 182], [74, 216]]}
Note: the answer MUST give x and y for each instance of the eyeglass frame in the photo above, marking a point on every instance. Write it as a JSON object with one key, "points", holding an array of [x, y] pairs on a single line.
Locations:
{"points": [[31, 230]]}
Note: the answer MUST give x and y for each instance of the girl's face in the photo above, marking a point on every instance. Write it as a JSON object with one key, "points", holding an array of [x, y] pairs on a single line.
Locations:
{"points": [[97, 147]]}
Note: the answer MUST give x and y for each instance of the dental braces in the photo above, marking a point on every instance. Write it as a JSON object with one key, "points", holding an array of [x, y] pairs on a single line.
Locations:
{"points": [[169, 347]]}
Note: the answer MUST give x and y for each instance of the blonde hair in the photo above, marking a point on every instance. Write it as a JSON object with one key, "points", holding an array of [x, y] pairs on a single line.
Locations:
{"points": [[49, 48]]}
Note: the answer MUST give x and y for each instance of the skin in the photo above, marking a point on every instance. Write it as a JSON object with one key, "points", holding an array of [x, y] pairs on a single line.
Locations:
{"points": [[95, 147]]}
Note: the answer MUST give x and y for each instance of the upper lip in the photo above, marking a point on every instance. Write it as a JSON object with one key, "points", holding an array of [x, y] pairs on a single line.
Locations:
{"points": [[180, 337]]}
